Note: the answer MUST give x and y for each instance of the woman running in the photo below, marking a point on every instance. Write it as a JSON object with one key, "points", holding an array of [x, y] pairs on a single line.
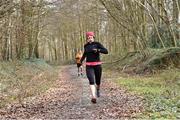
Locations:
{"points": [[92, 50]]}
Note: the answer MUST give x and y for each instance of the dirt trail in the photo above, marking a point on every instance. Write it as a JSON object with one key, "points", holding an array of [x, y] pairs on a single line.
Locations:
{"points": [[70, 99]]}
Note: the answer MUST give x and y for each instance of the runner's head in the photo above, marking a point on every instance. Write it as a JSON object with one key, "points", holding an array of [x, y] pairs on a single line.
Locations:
{"points": [[90, 37]]}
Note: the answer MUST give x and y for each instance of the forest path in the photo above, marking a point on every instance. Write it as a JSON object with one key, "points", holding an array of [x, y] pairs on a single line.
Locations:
{"points": [[70, 99]]}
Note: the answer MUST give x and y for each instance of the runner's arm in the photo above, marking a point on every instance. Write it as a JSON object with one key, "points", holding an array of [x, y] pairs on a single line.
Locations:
{"points": [[102, 49], [83, 57]]}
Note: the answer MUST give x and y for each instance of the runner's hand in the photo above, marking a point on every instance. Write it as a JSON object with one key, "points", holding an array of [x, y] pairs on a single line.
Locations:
{"points": [[95, 50]]}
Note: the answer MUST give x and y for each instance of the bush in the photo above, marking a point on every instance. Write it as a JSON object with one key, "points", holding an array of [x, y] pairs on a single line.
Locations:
{"points": [[166, 36]]}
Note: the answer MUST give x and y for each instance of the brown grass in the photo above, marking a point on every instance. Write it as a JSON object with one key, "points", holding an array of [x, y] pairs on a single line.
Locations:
{"points": [[19, 81]]}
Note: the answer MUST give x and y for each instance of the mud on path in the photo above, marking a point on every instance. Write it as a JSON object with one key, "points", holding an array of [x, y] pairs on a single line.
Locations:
{"points": [[70, 99]]}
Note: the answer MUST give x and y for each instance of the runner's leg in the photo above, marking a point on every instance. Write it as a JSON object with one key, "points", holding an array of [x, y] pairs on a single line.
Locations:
{"points": [[90, 76]]}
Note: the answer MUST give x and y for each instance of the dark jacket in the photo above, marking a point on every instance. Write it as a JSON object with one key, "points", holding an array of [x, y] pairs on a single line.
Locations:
{"points": [[93, 55]]}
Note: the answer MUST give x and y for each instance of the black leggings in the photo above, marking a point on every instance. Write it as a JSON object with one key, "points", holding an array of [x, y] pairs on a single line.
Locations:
{"points": [[94, 74]]}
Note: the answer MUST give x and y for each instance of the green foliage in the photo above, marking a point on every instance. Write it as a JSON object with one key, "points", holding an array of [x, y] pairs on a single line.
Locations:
{"points": [[161, 93], [119, 62], [166, 36], [136, 63], [165, 57]]}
